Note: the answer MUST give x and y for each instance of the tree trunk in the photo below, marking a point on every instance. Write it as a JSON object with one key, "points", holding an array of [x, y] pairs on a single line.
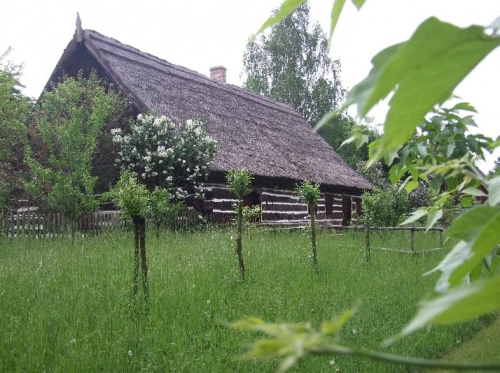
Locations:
{"points": [[313, 236], [140, 254], [239, 250]]}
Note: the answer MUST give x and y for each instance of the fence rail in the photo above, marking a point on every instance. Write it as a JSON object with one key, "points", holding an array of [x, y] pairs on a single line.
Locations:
{"points": [[368, 231], [49, 224]]}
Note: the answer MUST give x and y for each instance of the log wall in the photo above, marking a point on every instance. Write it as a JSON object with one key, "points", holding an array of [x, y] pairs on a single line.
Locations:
{"points": [[278, 206]]}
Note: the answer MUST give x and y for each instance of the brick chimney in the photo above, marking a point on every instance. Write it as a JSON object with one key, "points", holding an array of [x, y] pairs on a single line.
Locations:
{"points": [[218, 74]]}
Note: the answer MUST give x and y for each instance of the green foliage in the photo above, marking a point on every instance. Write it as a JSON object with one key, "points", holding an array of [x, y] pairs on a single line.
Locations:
{"points": [[289, 6], [338, 133], [163, 209], [173, 157], [496, 168], [292, 65], [442, 137], [14, 114], [308, 192], [385, 207], [289, 341], [421, 72], [240, 182], [377, 174], [251, 214], [131, 197], [69, 121]]}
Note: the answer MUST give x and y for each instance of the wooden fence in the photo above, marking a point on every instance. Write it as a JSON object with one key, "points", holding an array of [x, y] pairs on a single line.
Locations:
{"points": [[49, 224], [368, 233], [367, 229]]}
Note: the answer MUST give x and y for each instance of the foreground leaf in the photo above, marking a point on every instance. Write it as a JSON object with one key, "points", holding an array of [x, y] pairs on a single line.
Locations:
{"points": [[477, 230], [432, 218], [421, 72], [457, 305], [289, 341], [415, 215], [286, 8], [494, 191], [338, 5]]}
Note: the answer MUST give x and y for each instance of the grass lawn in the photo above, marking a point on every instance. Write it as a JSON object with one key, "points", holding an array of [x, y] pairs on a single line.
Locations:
{"points": [[483, 346], [69, 307]]}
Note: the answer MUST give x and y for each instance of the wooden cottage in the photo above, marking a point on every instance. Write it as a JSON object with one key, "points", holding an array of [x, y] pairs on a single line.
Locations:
{"points": [[269, 139]]}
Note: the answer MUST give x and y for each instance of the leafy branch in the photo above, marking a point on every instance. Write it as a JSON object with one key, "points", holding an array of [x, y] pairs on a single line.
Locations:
{"points": [[292, 342]]}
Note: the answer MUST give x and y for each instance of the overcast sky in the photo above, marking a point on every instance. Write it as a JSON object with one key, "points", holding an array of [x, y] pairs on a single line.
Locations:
{"points": [[199, 34]]}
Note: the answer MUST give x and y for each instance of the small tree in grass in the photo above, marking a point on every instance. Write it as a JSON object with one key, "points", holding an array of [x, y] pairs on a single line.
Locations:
{"points": [[63, 144], [132, 198], [163, 210], [309, 194], [240, 182]]}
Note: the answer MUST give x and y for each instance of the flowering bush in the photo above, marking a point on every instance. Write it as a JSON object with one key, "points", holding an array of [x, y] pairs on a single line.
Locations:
{"points": [[172, 157]]}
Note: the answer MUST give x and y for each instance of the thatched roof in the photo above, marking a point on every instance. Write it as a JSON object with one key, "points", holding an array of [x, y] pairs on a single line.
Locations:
{"points": [[270, 139]]}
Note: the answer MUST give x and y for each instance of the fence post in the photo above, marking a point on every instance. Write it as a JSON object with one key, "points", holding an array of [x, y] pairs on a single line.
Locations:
{"points": [[441, 238], [412, 239]]}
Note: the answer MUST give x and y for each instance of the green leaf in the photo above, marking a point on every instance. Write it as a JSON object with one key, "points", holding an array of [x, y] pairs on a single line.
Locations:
{"points": [[468, 225], [449, 150], [494, 191], [494, 265], [396, 172], [466, 202], [334, 326], [476, 272], [457, 305], [411, 186], [249, 324], [348, 141], [478, 230], [415, 215], [358, 3], [389, 157], [422, 72], [286, 8], [362, 94], [464, 106], [422, 150], [338, 5], [434, 61], [433, 217], [474, 192], [362, 140]]}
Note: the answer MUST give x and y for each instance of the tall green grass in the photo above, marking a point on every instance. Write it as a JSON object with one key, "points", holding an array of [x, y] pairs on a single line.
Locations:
{"points": [[67, 307]]}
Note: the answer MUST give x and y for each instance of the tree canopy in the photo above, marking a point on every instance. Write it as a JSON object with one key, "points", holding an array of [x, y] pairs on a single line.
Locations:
{"points": [[14, 113], [292, 65], [64, 140]]}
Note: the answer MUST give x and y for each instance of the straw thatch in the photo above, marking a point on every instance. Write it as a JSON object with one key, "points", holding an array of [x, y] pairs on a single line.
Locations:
{"points": [[270, 139]]}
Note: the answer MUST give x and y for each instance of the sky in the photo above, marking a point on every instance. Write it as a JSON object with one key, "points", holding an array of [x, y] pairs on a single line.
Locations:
{"points": [[199, 34]]}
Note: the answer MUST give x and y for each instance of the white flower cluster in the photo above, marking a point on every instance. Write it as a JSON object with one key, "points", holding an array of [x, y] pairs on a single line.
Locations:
{"points": [[163, 154]]}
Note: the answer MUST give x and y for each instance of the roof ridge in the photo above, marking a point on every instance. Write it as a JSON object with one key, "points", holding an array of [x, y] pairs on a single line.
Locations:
{"points": [[247, 94]]}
